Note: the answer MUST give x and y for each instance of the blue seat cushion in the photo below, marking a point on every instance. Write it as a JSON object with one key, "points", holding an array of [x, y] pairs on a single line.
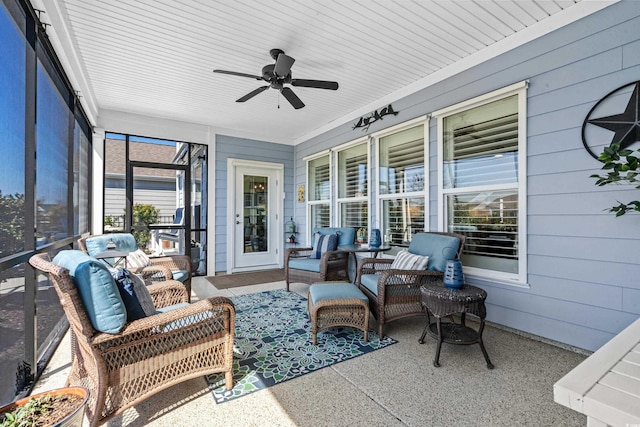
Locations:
{"points": [[306, 264], [97, 289], [124, 242], [440, 248], [180, 275], [370, 281], [328, 291]]}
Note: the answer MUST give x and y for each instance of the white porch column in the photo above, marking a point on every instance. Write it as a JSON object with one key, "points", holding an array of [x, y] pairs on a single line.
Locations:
{"points": [[97, 191]]}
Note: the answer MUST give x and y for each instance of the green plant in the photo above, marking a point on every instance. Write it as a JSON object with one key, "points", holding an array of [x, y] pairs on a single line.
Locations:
{"points": [[11, 223], [144, 214], [623, 169], [28, 414]]}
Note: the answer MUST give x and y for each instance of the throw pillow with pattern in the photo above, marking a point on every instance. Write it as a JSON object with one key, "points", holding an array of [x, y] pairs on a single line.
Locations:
{"points": [[407, 261], [323, 243]]}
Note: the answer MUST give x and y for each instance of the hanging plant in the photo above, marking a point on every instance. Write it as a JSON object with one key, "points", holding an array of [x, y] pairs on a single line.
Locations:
{"points": [[622, 167]]}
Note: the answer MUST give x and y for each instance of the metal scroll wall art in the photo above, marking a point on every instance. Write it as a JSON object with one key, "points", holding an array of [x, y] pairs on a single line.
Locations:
{"points": [[365, 121], [618, 113]]}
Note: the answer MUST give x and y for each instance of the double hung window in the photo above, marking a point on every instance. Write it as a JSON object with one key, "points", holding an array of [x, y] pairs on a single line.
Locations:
{"points": [[482, 184], [353, 170], [319, 191], [401, 184]]}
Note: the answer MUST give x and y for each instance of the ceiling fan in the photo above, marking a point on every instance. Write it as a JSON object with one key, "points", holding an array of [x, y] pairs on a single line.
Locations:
{"points": [[279, 74]]}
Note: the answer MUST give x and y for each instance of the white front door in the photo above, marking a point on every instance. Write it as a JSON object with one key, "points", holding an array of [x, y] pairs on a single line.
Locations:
{"points": [[255, 219]]}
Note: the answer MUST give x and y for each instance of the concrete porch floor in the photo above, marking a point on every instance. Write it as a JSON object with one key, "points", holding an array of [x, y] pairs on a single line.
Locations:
{"points": [[394, 386]]}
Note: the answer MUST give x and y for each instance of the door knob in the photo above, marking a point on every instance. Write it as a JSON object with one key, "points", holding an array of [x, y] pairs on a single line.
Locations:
{"points": [[237, 222]]}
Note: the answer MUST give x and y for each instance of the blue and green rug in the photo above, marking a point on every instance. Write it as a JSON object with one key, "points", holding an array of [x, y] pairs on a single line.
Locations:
{"points": [[273, 344]]}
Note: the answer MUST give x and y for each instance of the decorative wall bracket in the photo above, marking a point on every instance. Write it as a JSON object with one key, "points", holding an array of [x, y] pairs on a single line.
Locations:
{"points": [[365, 121]]}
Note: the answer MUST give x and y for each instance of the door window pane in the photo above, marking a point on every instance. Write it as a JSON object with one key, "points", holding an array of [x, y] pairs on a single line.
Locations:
{"points": [[256, 209]]}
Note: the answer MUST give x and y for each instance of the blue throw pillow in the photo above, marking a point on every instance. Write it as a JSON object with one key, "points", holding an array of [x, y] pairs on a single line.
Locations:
{"points": [[97, 289], [323, 243], [126, 282]]}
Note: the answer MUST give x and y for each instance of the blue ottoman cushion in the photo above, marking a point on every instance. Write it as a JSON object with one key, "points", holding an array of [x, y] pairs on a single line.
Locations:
{"points": [[328, 291]]}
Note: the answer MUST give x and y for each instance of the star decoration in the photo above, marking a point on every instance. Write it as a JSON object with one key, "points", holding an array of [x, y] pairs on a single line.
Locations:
{"points": [[626, 125]]}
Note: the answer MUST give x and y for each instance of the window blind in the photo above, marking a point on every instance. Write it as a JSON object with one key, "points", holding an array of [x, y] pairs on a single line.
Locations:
{"points": [[489, 220], [404, 170]]}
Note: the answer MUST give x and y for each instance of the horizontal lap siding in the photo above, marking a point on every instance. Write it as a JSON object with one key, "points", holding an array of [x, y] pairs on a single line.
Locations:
{"points": [[583, 263], [245, 149]]}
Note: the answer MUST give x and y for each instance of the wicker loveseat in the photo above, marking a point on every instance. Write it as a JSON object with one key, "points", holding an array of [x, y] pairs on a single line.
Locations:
{"points": [[333, 265], [146, 355], [176, 267], [395, 293]]}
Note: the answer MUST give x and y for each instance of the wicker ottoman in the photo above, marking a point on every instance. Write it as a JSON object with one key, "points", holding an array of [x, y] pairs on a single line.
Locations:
{"points": [[337, 304]]}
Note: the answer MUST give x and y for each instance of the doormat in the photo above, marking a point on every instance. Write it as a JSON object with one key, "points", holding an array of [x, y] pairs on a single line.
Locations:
{"points": [[226, 281], [273, 344]]}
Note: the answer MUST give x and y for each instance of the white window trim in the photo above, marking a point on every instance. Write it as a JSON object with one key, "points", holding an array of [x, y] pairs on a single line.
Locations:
{"points": [[424, 121], [520, 89], [308, 202], [334, 175]]}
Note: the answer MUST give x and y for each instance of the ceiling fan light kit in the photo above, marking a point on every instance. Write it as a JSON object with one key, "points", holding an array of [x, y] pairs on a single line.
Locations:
{"points": [[279, 74]]}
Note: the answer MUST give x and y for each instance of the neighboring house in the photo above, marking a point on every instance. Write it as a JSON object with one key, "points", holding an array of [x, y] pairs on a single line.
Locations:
{"points": [[151, 186]]}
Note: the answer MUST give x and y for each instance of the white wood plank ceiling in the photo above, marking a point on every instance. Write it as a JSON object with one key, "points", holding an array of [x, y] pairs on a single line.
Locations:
{"points": [[155, 57]]}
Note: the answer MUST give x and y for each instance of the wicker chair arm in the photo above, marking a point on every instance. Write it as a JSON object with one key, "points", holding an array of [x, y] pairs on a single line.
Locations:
{"points": [[406, 278], [168, 293], [154, 273], [297, 253], [173, 321], [175, 262], [372, 266]]}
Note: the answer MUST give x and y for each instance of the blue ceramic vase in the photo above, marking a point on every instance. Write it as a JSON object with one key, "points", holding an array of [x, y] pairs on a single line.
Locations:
{"points": [[453, 275], [376, 239]]}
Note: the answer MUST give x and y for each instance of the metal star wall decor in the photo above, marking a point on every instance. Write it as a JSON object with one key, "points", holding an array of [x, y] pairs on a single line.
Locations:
{"points": [[625, 125]]}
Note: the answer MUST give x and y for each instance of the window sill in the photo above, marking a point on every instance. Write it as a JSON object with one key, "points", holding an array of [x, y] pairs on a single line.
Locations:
{"points": [[483, 279]]}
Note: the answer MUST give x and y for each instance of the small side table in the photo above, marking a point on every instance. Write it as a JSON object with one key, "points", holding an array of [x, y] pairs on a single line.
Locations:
{"points": [[442, 301], [113, 257], [353, 249]]}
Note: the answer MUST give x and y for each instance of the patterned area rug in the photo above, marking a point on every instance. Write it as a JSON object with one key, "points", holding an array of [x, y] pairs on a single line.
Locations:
{"points": [[273, 344]]}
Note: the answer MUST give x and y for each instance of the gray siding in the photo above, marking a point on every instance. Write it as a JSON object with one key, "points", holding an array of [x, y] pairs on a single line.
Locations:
{"points": [[583, 266], [245, 149]]}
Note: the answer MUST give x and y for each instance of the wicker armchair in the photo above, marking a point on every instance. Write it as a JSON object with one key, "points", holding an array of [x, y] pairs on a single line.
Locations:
{"points": [[395, 294], [177, 267], [148, 354], [332, 266]]}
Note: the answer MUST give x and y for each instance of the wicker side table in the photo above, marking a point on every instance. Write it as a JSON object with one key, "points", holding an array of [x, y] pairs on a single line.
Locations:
{"points": [[337, 304], [442, 301]]}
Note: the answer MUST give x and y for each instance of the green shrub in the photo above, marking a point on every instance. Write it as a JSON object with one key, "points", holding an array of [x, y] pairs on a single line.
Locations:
{"points": [[144, 214]]}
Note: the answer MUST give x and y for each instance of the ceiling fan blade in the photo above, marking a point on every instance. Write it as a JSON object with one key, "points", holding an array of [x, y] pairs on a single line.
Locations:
{"points": [[318, 84], [234, 73], [292, 98], [252, 94], [283, 65]]}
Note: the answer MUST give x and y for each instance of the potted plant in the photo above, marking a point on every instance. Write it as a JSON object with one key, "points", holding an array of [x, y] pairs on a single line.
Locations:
{"points": [[622, 167], [59, 407]]}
